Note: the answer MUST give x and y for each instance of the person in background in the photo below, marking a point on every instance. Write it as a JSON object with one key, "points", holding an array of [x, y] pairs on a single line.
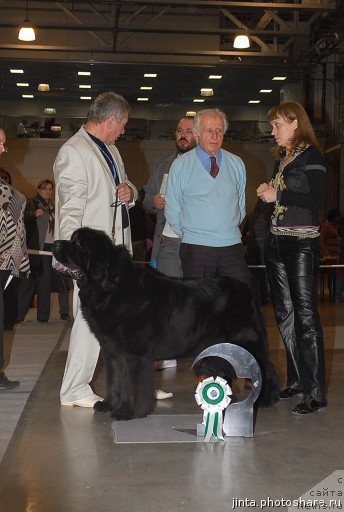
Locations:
{"points": [[22, 131], [90, 182], [340, 277], [14, 260], [329, 235], [329, 248], [292, 251], [5, 176], [254, 232], [11, 292], [166, 244], [138, 229], [39, 223]]}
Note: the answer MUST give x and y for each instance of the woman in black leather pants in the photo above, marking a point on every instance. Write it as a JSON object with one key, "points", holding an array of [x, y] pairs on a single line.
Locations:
{"points": [[294, 196]]}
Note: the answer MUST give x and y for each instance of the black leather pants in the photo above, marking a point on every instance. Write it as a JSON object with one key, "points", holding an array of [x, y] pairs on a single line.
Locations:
{"points": [[292, 265]]}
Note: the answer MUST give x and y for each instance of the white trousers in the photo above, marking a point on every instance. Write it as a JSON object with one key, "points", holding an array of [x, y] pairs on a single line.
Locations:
{"points": [[82, 357]]}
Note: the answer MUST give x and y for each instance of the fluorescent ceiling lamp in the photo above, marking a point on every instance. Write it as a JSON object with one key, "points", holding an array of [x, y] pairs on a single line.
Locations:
{"points": [[146, 88], [207, 92], [241, 42], [27, 95], [279, 78], [198, 100], [150, 75], [17, 71], [215, 77], [265, 90], [84, 73], [22, 84], [43, 87], [191, 113], [50, 110], [142, 99], [254, 101], [85, 97], [84, 86]]}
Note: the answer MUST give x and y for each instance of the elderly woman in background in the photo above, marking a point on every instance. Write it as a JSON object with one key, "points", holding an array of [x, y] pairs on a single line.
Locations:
{"points": [[292, 252], [13, 255]]}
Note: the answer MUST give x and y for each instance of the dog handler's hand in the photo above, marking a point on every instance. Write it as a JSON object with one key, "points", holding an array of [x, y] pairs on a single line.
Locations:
{"points": [[125, 193]]}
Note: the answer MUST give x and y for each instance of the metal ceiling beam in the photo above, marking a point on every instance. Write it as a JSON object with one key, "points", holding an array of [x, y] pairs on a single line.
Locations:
{"points": [[324, 5], [190, 53], [290, 32]]}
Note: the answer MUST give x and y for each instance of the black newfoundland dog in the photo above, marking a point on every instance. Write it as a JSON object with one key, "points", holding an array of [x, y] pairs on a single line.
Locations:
{"points": [[139, 316]]}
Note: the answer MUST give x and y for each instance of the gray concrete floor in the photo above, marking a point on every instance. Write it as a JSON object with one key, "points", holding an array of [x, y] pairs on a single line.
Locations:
{"points": [[59, 459]]}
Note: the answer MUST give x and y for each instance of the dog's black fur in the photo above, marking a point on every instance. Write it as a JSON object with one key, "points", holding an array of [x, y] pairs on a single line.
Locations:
{"points": [[139, 316]]}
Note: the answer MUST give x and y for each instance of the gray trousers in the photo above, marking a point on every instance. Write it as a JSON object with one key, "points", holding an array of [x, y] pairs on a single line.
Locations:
{"points": [[168, 260]]}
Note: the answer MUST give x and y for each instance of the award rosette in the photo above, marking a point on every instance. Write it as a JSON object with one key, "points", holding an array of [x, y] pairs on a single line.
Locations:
{"points": [[213, 397]]}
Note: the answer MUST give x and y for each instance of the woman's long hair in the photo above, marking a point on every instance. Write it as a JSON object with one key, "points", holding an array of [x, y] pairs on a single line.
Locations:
{"points": [[49, 205], [304, 134]]}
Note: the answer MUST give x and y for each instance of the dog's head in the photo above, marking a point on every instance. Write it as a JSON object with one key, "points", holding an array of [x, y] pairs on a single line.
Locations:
{"points": [[91, 257]]}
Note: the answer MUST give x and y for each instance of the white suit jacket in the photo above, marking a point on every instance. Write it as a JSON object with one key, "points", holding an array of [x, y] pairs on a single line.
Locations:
{"points": [[85, 189]]}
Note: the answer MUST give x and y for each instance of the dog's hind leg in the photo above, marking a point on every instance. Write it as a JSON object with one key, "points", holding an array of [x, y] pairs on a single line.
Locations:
{"points": [[145, 398]]}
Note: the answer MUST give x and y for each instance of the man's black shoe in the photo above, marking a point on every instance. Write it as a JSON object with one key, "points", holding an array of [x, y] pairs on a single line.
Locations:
{"points": [[7, 385], [288, 393], [308, 405]]}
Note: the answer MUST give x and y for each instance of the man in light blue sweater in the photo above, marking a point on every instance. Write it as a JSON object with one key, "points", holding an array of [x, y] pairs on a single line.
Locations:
{"points": [[205, 203]]}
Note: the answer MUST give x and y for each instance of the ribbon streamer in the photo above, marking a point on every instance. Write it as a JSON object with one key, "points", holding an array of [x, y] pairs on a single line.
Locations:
{"points": [[213, 397]]}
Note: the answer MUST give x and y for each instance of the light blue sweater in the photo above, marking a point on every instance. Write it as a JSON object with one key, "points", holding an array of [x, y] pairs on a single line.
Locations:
{"points": [[203, 210]]}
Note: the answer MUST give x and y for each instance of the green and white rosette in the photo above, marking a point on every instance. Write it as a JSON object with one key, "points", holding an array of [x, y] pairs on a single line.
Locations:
{"points": [[213, 397]]}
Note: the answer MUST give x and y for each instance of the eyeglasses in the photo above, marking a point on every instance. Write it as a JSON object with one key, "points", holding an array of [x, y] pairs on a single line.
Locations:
{"points": [[4, 146]]}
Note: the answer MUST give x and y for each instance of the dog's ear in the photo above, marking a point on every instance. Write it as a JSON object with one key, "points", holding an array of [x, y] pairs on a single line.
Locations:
{"points": [[113, 266]]}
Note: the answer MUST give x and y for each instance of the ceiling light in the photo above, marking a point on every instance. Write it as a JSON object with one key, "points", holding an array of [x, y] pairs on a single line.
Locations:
{"points": [[254, 101], [17, 71], [207, 92], [190, 113], [146, 88], [85, 97], [198, 100], [50, 110], [279, 78], [265, 90], [43, 87], [84, 73], [215, 77], [241, 42], [27, 95], [84, 86], [26, 32], [22, 84], [55, 128], [150, 75], [142, 99]]}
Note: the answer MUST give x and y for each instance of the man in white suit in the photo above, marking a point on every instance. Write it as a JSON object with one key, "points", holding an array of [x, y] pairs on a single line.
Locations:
{"points": [[89, 172]]}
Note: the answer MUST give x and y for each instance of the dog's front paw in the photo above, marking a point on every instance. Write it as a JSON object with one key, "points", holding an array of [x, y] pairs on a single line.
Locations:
{"points": [[102, 406], [122, 414]]}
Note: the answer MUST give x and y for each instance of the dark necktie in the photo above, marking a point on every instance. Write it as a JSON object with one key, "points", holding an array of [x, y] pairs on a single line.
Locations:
{"points": [[214, 169]]}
